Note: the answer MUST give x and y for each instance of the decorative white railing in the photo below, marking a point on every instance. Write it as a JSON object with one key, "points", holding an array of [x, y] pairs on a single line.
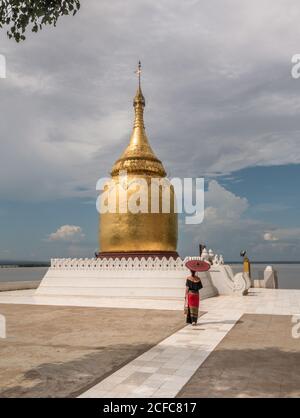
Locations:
{"points": [[129, 263], [118, 264]]}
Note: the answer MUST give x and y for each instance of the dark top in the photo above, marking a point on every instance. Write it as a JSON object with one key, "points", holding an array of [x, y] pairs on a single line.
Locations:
{"points": [[194, 286]]}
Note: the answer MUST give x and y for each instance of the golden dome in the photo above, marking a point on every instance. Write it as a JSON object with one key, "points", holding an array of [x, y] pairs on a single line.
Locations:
{"points": [[131, 233]]}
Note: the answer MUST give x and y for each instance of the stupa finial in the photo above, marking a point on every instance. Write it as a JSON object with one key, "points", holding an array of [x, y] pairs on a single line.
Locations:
{"points": [[139, 100], [139, 72]]}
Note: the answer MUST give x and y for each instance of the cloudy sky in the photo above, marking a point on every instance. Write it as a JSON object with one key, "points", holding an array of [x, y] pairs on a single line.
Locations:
{"points": [[221, 104]]}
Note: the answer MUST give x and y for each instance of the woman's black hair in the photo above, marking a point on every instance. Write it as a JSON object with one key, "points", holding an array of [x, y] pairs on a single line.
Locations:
{"points": [[193, 273]]}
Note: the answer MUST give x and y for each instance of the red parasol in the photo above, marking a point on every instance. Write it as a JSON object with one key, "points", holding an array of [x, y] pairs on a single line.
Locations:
{"points": [[197, 265]]}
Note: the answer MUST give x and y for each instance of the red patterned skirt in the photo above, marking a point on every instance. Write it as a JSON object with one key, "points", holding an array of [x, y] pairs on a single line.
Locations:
{"points": [[193, 307]]}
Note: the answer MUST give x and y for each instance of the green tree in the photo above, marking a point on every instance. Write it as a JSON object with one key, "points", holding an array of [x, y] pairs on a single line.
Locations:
{"points": [[21, 15]]}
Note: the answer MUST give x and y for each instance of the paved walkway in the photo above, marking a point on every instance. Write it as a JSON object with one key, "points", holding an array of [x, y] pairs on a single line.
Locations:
{"points": [[166, 368]]}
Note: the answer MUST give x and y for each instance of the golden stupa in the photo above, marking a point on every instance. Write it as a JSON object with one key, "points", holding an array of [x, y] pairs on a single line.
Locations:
{"points": [[138, 234]]}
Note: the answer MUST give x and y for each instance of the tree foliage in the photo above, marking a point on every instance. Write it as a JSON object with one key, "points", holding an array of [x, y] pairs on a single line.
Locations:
{"points": [[21, 15]]}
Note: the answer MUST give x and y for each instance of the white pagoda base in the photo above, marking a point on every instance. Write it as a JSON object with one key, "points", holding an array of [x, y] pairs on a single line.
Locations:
{"points": [[136, 278]]}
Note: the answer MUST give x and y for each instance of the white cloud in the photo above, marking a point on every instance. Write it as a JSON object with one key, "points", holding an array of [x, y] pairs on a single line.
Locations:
{"points": [[283, 234], [66, 233], [222, 206], [227, 228], [269, 236]]}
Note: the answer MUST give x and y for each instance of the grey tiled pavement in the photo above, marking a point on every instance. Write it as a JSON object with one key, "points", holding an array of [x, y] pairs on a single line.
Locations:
{"points": [[258, 358]]}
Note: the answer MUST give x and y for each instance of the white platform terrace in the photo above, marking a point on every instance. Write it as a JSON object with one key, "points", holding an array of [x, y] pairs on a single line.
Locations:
{"points": [[258, 301], [151, 278]]}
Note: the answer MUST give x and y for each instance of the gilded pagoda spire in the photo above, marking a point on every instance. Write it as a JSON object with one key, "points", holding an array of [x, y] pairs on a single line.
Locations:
{"points": [[138, 157], [127, 233]]}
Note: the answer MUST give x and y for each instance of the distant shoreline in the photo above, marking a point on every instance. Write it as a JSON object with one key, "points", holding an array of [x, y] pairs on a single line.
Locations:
{"points": [[14, 264]]}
